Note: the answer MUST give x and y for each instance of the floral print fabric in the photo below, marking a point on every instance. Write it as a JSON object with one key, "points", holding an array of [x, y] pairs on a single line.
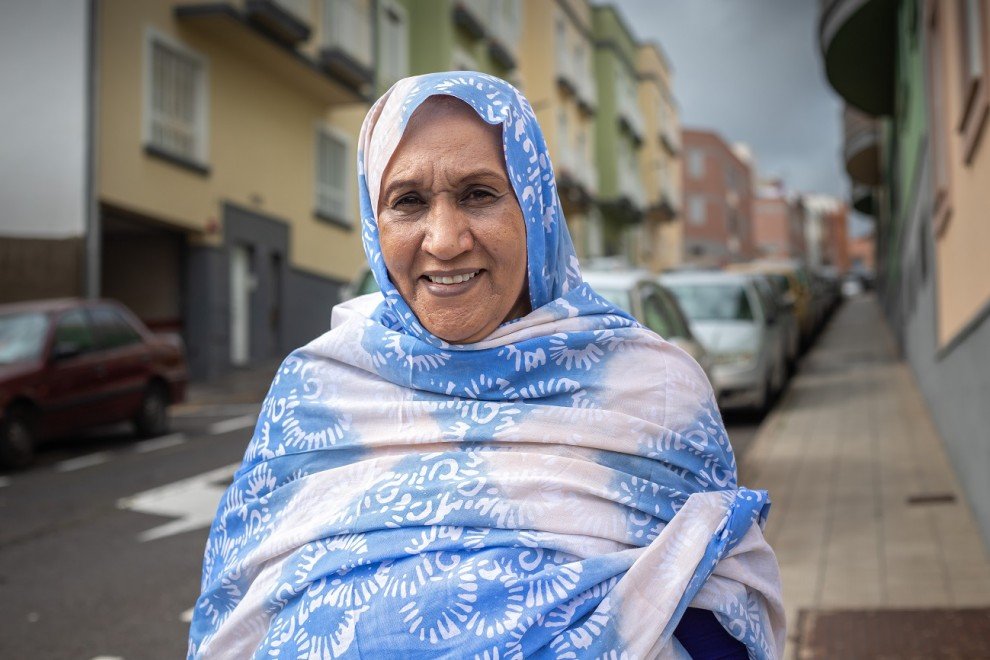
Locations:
{"points": [[563, 489]]}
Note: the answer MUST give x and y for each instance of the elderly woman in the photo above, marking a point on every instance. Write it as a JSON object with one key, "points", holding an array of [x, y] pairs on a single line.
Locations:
{"points": [[488, 459]]}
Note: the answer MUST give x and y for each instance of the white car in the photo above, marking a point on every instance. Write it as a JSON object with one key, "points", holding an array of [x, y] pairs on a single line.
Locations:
{"points": [[639, 293], [740, 330]]}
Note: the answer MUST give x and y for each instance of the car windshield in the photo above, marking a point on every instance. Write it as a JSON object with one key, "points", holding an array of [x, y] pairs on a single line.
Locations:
{"points": [[22, 337], [713, 302], [618, 297]]}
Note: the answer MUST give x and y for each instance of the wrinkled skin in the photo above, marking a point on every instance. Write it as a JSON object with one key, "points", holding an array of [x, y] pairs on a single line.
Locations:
{"points": [[447, 209]]}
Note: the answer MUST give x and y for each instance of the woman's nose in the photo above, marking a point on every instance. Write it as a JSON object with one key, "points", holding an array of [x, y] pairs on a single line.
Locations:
{"points": [[448, 233]]}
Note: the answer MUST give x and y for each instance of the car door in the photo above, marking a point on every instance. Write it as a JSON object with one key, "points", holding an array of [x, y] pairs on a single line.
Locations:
{"points": [[126, 362], [71, 377]]}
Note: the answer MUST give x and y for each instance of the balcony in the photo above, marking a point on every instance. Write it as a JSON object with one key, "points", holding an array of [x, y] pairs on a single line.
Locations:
{"points": [[862, 147], [670, 198], [347, 48], [285, 20], [631, 186], [471, 16], [857, 39], [576, 175], [574, 73], [228, 26], [504, 31], [864, 199]]}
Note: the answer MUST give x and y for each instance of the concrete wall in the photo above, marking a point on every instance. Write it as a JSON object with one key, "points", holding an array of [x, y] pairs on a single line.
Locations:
{"points": [[43, 111]]}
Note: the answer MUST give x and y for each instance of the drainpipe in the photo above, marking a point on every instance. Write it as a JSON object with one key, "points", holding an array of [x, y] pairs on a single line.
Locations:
{"points": [[92, 259]]}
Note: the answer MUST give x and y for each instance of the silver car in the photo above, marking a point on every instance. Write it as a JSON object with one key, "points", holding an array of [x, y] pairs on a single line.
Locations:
{"points": [[732, 317], [638, 293]]}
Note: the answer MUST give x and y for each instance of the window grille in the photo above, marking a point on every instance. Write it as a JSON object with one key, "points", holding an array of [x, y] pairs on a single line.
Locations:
{"points": [[331, 183], [177, 99]]}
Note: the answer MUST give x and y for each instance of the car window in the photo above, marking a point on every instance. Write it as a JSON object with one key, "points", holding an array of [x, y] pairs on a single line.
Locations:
{"points": [[678, 324], [713, 302], [368, 284], [22, 337], [618, 297], [73, 331], [654, 317], [111, 329]]}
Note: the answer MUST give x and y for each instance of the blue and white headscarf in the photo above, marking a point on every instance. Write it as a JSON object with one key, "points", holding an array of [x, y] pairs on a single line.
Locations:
{"points": [[562, 489]]}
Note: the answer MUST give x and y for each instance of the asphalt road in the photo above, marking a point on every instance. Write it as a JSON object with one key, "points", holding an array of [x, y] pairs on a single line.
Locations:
{"points": [[101, 541]]}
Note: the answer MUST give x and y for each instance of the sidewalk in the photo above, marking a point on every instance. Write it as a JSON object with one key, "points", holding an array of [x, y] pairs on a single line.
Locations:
{"points": [[240, 388], [867, 514]]}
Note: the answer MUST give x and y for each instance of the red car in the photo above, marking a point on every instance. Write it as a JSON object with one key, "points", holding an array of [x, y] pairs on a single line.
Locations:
{"points": [[70, 364]]}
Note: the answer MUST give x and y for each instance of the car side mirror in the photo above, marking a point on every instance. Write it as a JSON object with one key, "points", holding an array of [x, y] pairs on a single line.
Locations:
{"points": [[65, 350]]}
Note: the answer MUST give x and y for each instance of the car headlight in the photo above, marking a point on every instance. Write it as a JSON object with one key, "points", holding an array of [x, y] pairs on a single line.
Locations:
{"points": [[737, 359]]}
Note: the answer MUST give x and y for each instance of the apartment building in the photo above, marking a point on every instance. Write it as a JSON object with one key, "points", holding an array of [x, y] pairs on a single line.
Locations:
{"points": [[916, 74], [778, 223], [661, 239], [619, 133], [222, 195], [470, 35], [557, 76], [718, 200]]}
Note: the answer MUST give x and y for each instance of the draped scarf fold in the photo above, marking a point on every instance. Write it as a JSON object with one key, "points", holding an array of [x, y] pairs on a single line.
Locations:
{"points": [[564, 488]]}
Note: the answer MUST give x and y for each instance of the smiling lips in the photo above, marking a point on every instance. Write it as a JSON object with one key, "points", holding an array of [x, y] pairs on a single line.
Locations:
{"points": [[451, 279], [452, 283]]}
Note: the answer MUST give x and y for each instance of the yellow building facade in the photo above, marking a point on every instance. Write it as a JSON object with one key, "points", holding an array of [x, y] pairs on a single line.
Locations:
{"points": [[556, 74], [661, 239], [225, 176]]}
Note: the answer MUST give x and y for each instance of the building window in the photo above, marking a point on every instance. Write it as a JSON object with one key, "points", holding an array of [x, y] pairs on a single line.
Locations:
{"points": [[393, 44], [938, 120], [975, 78], [696, 163], [331, 179], [347, 26], [696, 210], [175, 107]]}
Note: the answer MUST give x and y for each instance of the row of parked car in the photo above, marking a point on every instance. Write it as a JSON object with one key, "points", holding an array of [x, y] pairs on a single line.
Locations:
{"points": [[746, 325]]}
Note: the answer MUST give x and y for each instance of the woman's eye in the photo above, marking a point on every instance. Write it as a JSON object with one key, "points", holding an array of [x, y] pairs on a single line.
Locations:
{"points": [[479, 196], [406, 201]]}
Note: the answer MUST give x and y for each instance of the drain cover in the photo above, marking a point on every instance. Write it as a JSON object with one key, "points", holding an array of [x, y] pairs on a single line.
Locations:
{"points": [[901, 634]]}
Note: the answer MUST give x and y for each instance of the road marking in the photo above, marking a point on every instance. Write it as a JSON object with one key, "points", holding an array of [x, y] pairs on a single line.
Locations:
{"points": [[89, 460], [235, 424], [4, 482], [107, 657], [186, 616], [193, 501], [154, 444]]}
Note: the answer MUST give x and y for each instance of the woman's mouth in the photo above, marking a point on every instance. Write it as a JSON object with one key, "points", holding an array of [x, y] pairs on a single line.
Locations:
{"points": [[441, 284]]}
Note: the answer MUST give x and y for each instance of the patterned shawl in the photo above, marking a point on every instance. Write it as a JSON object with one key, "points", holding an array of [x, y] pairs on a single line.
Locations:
{"points": [[562, 489]]}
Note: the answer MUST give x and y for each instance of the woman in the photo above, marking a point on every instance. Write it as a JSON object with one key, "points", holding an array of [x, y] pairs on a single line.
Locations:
{"points": [[488, 459]]}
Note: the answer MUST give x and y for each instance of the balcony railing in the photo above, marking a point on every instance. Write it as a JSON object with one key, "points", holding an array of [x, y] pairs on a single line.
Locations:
{"points": [[300, 9], [858, 41], [627, 101], [630, 184]]}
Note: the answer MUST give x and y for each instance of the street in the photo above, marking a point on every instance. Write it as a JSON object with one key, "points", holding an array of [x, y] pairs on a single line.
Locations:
{"points": [[93, 565]]}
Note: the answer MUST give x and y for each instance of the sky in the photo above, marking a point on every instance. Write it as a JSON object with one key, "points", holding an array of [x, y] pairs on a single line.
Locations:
{"points": [[752, 71]]}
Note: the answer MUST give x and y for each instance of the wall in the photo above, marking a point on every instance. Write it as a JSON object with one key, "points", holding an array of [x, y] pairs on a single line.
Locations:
{"points": [[43, 111]]}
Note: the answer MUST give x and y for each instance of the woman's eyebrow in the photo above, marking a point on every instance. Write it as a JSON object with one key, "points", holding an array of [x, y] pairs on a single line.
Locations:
{"points": [[483, 173]]}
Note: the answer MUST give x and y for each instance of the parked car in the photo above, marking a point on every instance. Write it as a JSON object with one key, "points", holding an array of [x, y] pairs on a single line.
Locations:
{"points": [[652, 305], [740, 329], [777, 287], [70, 364], [798, 286]]}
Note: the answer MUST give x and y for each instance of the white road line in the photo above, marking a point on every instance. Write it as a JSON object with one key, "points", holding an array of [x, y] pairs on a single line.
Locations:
{"points": [[192, 501], [160, 443], [4, 482], [186, 616], [107, 657], [235, 424], [86, 461]]}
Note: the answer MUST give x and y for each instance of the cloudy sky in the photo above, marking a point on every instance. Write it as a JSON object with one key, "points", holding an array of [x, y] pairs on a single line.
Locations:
{"points": [[752, 70]]}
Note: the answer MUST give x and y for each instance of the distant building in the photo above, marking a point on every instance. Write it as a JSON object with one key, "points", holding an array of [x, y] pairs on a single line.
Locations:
{"points": [[778, 225], [717, 200], [619, 134], [556, 70], [660, 241], [836, 242], [862, 254], [819, 212]]}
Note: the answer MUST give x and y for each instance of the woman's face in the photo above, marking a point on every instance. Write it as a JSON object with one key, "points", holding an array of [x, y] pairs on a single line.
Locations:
{"points": [[452, 233]]}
